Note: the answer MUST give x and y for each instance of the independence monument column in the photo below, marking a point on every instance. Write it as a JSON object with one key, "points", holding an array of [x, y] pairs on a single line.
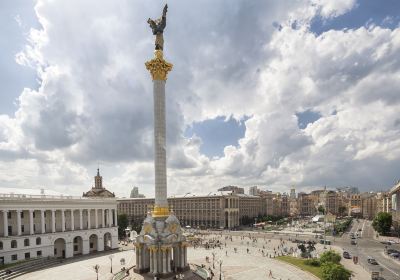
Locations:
{"points": [[161, 247], [159, 69]]}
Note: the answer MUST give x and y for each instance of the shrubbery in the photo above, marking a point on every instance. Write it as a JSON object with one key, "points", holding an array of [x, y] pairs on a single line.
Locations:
{"points": [[330, 265], [330, 256], [313, 262], [334, 271]]}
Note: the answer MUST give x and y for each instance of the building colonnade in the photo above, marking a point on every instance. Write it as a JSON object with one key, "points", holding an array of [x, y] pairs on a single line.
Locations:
{"points": [[17, 222]]}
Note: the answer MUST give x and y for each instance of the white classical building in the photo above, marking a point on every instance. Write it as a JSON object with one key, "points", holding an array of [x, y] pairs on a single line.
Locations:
{"points": [[38, 223]]}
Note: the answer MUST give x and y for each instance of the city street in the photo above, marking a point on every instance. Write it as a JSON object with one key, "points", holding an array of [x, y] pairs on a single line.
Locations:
{"points": [[368, 246]]}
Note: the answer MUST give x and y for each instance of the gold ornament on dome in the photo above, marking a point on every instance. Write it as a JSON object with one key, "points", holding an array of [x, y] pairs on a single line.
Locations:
{"points": [[158, 66]]}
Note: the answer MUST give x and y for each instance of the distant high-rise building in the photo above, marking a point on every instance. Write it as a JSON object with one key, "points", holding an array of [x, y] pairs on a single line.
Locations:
{"points": [[292, 193], [135, 193], [254, 191], [234, 189]]}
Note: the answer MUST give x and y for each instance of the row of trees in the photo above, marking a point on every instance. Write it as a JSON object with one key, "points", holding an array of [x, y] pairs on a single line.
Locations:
{"points": [[330, 266]]}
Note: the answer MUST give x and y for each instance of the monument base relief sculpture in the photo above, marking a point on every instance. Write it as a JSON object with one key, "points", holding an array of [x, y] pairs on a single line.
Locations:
{"points": [[161, 247]]}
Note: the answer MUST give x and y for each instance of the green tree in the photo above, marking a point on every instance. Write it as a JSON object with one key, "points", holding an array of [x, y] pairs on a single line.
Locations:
{"points": [[333, 271], [122, 224], [342, 210], [382, 223], [330, 257], [321, 209]]}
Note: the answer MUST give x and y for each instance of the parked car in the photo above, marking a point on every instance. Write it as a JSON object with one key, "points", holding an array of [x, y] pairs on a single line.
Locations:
{"points": [[372, 261], [346, 255], [391, 251], [353, 242], [395, 255]]}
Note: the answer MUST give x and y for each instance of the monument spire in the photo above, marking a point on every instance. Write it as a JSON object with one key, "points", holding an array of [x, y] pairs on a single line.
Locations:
{"points": [[161, 238], [159, 68]]}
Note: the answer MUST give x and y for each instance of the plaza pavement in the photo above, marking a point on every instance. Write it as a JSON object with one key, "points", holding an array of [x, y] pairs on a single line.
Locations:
{"points": [[235, 266]]}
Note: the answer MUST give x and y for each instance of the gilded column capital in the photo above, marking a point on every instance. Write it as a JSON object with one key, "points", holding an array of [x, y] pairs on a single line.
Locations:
{"points": [[158, 66]]}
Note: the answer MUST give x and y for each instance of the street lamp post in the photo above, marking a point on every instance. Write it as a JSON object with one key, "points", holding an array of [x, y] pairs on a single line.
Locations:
{"points": [[111, 257], [220, 270]]}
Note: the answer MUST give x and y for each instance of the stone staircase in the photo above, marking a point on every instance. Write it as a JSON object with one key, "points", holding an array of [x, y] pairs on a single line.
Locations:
{"points": [[26, 267]]}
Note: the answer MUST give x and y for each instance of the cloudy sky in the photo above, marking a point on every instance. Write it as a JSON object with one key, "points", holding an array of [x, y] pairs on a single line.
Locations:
{"points": [[267, 93]]}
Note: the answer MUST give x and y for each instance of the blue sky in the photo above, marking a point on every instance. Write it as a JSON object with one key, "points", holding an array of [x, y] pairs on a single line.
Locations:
{"points": [[216, 134], [385, 13], [247, 103], [14, 76]]}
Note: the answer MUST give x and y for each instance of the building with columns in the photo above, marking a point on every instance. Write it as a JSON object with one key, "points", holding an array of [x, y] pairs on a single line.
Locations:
{"points": [[222, 209], [39, 223]]}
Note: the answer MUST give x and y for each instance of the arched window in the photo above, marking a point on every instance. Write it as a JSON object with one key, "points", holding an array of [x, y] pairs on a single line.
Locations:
{"points": [[1, 245], [26, 242], [13, 243], [38, 241]]}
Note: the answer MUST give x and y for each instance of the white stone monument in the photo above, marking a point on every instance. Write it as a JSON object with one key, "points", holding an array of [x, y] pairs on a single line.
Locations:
{"points": [[161, 248]]}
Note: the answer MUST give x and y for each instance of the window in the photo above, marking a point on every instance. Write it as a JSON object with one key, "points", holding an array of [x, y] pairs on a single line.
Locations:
{"points": [[9, 230], [22, 214], [9, 215], [27, 256], [1, 245], [91, 245], [14, 257], [38, 241], [22, 228], [39, 253], [33, 214], [75, 248], [34, 227], [26, 242], [13, 243]]}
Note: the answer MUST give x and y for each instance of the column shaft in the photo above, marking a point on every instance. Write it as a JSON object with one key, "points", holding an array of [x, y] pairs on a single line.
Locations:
{"points": [[72, 220], [115, 218], [62, 220], [80, 219], [109, 218], [5, 222], [103, 217], [164, 261], [160, 144], [139, 249], [19, 232], [53, 221], [88, 218], [96, 218], [151, 261], [31, 229], [155, 258], [42, 221], [169, 260]]}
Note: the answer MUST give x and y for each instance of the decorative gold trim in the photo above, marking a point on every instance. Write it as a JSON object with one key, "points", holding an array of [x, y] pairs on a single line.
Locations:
{"points": [[158, 66], [160, 211]]}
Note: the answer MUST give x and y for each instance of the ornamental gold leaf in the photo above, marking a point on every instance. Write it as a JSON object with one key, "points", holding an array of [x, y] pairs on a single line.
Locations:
{"points": [[158, 66]]}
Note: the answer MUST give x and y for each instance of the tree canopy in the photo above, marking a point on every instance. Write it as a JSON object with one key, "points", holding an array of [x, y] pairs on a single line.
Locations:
{"points": [[382, 223], [330, 256], [333, 271], [122, 224]]}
